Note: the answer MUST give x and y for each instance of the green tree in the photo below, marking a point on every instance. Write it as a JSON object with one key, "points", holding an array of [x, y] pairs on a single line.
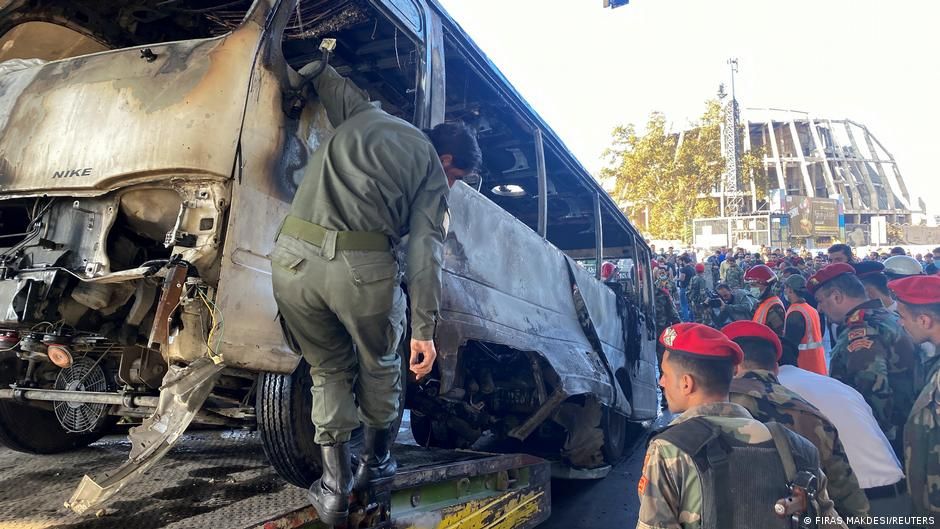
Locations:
{"points": [[664, 179]]}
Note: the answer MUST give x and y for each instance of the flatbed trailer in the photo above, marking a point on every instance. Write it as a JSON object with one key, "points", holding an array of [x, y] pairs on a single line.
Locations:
{"points": [[221, 479]]}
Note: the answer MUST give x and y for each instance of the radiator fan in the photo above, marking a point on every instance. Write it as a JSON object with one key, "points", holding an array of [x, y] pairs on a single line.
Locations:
{"points": [[85, 374]]}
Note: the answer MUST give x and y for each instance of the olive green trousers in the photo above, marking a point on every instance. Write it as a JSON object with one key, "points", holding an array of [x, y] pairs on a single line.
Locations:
{"points": [[346, 311]]}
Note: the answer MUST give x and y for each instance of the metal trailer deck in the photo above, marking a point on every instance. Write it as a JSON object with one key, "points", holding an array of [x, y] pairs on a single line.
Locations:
{"points": [[222, 480]]}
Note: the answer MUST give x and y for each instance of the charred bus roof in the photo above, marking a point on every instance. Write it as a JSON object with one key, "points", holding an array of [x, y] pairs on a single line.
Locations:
{"points": [[380, 57]]}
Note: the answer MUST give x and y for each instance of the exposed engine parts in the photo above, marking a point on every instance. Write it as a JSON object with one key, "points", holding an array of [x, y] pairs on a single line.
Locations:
{"points": [[84, 375], [104, 294]]}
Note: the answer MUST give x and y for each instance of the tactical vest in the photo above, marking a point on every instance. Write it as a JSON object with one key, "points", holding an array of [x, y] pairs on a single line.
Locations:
{"points": [[812, 355], [741, 482]]}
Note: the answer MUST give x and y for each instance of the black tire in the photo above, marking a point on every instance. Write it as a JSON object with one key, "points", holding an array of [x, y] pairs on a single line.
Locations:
{"points": [[615, 430], [283, 406], [37, 431]]}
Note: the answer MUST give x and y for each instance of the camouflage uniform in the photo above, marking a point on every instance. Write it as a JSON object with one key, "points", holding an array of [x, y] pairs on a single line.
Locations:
{"points": [[670, 287], [767, 400], [874, 355], [666, 315], [921, 442], [698, 295], [670, 489], [778, 290], [734, 277], [741, 307], [712, 268]]}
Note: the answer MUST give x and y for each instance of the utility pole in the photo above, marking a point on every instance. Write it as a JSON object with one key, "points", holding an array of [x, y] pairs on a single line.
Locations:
{"points": [[732, 202]]}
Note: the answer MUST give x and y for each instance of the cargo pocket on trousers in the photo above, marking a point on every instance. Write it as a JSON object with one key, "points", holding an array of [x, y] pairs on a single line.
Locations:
{"points": [[370, 267], [286, 259]]}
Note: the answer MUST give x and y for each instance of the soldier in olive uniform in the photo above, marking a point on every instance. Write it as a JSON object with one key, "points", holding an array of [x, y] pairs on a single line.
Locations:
{"points": [[873, 354], [698, 294], [676, 489], [336, 280], [734, 276], [757, 389], [919, 308]]}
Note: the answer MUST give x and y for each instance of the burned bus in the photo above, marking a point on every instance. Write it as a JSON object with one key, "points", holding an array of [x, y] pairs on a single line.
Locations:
{"points": [[148, 152]]}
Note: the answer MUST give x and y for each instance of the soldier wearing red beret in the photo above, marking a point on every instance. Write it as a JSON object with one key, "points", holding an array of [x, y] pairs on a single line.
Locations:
{"points": [[919, 309], [687, 476], [872, 354], [757, 389]]}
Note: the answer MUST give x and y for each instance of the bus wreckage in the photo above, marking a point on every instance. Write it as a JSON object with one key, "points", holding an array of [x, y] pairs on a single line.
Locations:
{"points": [[148, 152]]}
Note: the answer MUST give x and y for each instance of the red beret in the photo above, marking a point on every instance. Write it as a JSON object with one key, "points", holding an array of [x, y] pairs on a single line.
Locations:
{"points": [[699, 267], [752, 329], [917, 290], [827, 273], [700, 340]]}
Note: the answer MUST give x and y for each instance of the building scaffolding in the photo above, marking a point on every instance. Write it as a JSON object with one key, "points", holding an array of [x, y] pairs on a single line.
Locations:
{"points": [[829, 158]]}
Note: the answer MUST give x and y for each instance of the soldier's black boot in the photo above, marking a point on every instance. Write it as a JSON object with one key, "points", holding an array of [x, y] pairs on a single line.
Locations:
{"points": [[330, 494], [376, 462]]}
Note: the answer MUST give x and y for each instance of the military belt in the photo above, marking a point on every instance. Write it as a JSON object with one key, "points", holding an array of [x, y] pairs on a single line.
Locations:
{"points": [[810, 345], [345, 240], [887, 491]]}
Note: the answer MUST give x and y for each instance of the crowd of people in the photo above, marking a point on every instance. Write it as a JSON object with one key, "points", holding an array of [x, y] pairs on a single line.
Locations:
{"points": [[839, 352], [695, 286]]}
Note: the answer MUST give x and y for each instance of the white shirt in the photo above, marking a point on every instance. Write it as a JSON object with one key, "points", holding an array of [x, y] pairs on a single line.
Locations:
{"points": [[870, 455]]}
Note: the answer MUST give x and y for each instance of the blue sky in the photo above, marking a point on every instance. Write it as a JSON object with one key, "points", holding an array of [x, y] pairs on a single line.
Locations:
{"points": [[587, 69]]}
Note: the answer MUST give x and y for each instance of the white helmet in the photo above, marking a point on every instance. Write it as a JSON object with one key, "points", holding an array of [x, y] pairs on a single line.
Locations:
{"points": [[902, 266]]}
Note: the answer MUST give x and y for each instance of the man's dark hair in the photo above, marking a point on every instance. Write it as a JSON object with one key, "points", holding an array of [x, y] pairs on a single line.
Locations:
{"points": [[712, 374], [848, 284], [723, 286], [878, 281], [457, 140], [930, 309], [936, 250], [758, 353], [844, 249], [791, 270], [897, 250], [685, 259], [731, 258]]}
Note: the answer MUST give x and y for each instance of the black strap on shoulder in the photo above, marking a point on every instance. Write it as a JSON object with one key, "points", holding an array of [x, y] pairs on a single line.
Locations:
{"points": [[782, 444], [703, 442], [689, 436], [716, 451]]}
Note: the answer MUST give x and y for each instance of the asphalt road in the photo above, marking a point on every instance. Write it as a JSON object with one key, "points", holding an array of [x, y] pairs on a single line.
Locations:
{"points": [[609, 502]]}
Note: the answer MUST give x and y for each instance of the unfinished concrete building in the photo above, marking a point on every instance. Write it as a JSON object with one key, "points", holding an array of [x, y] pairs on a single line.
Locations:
{"points": [[819, 157]]}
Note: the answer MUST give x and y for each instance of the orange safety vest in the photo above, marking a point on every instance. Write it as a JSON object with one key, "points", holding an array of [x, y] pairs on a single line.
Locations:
{"points": [[760, 315], [812, 353]]}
